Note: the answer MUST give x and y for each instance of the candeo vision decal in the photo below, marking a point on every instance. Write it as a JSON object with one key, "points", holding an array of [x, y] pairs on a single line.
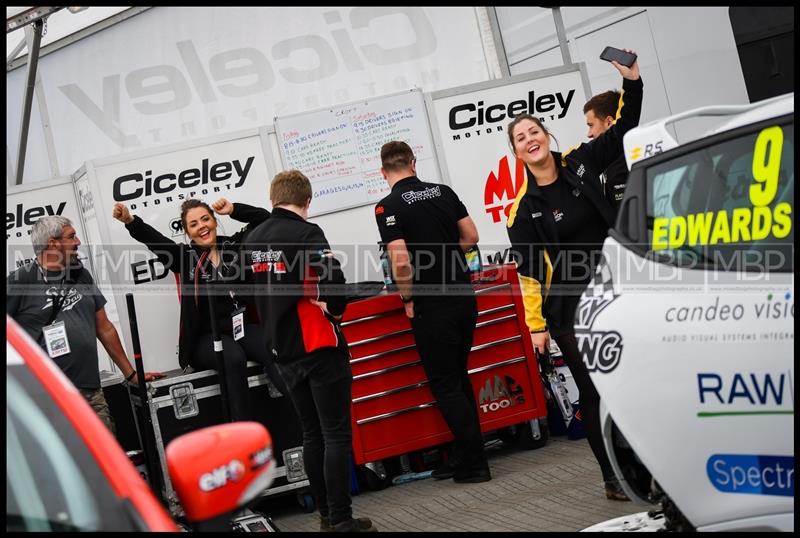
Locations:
{"points": [[601, 350]]}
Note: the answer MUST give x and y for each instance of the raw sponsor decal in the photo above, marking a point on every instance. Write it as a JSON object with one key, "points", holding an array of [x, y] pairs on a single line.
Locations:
{"points": [[745, 393], [751, 473]]}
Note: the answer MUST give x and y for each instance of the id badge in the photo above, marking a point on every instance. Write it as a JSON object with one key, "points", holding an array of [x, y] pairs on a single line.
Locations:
{"points": [[237, 318], [55, 338]]}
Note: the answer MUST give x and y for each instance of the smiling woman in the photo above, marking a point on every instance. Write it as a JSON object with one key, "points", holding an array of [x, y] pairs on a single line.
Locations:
{"points": [[211, 280]]}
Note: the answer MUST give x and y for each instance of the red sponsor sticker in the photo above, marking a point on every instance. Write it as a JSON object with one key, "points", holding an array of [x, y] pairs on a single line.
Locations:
{"points": [[379, 210]]}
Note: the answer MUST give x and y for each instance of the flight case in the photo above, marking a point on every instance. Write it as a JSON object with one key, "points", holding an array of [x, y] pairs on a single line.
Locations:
{"points": [[185, 401]]}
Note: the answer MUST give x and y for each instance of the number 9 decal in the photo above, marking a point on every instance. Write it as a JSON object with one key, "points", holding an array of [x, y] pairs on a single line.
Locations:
{"points": [[766, 165]]}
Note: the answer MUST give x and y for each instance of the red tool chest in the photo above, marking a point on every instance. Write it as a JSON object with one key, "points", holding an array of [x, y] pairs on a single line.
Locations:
{"points": [[394, 411]]}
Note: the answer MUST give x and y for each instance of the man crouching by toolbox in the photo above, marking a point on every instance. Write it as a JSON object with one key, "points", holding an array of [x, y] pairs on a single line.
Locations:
{"points": [[299, 293]]}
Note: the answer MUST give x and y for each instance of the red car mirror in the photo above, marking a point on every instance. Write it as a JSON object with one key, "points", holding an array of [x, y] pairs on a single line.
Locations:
{"points": [[219, 469]]}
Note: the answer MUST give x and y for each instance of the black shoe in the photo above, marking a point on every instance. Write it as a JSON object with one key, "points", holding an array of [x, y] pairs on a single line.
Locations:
{"points": [[614, 491], [443, 471], [472, 476], [361, 524]]}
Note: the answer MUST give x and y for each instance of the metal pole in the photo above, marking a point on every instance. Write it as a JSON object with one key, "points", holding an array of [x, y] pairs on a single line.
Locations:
{"points": [[148, 441], [33, 56], [223, 386], [561, 32], [497, 37]]}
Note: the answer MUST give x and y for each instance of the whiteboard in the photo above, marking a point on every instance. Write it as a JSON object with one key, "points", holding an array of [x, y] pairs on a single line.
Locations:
{"points": [[339, 148]]}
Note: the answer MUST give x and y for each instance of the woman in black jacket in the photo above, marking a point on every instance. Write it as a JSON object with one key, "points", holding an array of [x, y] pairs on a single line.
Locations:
{"points": [[211, 260], [557, 226]]}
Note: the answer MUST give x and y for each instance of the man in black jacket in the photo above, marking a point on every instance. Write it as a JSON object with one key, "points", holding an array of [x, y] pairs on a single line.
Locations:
{"points": [[300, 298], [601, 113]]}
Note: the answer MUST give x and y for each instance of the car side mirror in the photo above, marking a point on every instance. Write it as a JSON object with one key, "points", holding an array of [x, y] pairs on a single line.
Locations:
{"points": [[219, 469]]}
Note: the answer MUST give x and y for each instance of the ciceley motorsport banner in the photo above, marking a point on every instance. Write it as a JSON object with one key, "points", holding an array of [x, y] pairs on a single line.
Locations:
{"points": [[153, 185], [472, 125]]}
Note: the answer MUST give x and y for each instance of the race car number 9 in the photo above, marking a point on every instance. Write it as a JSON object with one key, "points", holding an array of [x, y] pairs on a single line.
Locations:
{"points": [[766, 165]]}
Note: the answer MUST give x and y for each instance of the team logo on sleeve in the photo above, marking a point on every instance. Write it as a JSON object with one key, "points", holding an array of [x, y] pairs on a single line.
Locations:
{"points": [[390, 220]]}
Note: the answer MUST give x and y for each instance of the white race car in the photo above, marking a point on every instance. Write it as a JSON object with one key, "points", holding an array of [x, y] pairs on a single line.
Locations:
{"points": [[688, 325]]}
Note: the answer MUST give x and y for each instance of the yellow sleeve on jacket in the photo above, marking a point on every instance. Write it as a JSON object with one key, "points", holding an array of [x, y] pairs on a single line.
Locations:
{"points": [[533, 298]]}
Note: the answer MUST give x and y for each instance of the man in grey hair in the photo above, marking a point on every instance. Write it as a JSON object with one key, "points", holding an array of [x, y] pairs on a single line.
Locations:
{"points": [[57, 302]]}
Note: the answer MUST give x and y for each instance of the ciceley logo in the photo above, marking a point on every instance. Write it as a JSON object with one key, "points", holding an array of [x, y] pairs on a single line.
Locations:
{"points": [[499, 393], [208, 177], [481, 118], [601, 350], [501, 188], [22, 216]]}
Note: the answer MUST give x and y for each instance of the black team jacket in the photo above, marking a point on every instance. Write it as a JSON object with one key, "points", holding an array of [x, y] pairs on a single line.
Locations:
{"points": [[185, 260], [292, 265], [531, 224]]}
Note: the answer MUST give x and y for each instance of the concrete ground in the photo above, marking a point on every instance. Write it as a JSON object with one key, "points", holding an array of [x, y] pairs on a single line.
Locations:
{"points": [[554, 488]]}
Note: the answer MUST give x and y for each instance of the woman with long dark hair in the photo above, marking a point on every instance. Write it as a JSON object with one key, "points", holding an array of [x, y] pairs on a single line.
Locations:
{"points": [[211, 260], [557, 226]]}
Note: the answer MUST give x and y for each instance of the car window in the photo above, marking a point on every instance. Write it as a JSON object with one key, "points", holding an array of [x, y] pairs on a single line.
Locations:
{"points": [[52, 481], [729, 205]]}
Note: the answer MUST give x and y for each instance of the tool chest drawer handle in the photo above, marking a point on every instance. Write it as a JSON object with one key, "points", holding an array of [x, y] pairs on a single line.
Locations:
{"points": [[492, 288], [497, 365], [389, 392], [382, 353], [385, 370], [394, 413]]}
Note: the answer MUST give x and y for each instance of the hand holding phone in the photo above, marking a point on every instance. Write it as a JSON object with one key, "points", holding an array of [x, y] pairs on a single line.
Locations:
{"points": [[611, 54]]}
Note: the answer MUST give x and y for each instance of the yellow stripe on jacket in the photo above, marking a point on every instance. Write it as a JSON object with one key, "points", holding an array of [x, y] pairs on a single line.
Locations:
{"points": [[533, 298]]}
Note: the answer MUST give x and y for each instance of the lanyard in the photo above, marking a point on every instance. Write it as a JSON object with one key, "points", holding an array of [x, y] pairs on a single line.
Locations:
{"points": [[59, 299], [197, 270]]}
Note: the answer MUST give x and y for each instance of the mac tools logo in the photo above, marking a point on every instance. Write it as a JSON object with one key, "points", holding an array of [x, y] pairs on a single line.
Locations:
{"points": [[501, 189], [601, 350], [498, 393]]}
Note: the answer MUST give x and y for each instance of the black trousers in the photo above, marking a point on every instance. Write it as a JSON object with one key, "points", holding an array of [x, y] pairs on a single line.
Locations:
{"points": [[443, 330], [237, 353], [320, 386], [563, 333]]}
